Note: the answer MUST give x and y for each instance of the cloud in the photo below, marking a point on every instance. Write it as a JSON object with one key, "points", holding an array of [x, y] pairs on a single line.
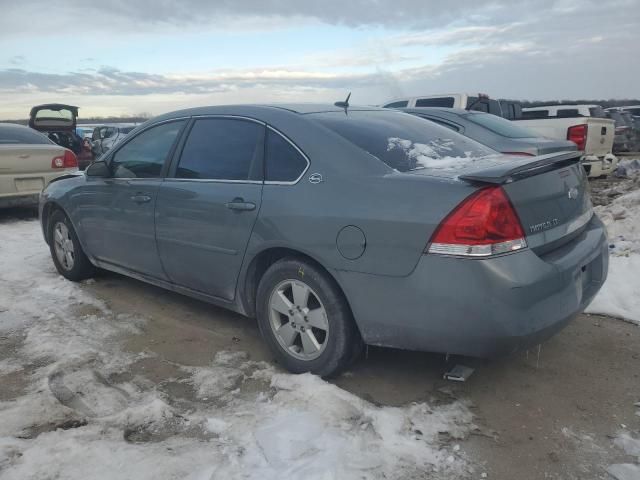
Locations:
{"points": [[509, 48]]}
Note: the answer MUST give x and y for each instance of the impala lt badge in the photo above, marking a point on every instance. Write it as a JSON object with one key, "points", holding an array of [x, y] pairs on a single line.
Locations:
{"points": [[539, 227]]}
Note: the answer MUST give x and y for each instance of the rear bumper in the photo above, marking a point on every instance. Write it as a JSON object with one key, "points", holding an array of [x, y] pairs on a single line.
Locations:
{"points": [[597, 166], [480, 308]]}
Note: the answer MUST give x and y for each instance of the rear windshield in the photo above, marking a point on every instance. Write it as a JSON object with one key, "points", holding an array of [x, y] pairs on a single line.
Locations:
{"points": [[500, 126], [13, 135], [54, 118], [402, 141]]}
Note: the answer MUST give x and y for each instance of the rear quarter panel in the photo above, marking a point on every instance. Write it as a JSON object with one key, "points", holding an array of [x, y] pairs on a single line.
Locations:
{"points": [[396, 212]]}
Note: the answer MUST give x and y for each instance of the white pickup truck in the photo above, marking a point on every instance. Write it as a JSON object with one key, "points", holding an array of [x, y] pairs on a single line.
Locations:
{"points": [[592, 134]]}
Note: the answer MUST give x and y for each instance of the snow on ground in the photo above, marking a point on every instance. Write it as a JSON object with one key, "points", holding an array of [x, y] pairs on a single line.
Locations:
{"points": [[82, 413], [620, 295]]}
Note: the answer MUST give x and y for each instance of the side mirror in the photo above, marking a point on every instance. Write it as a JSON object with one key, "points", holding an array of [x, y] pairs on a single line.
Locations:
{"points": [[98, 169]]}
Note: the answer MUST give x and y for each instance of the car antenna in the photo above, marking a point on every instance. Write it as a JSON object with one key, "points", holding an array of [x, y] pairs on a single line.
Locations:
{"points": [[344, 104]]}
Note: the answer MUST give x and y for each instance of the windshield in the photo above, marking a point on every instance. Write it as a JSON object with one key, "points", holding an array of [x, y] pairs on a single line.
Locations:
{"points": [[126, 129], [500, 125], [404, 142]]}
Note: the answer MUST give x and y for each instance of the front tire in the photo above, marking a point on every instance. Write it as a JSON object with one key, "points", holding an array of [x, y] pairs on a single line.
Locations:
{"points": [[305, 319], [66, 251]]}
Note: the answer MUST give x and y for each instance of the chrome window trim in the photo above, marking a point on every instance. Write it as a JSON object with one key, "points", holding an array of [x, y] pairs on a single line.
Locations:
{"points": [[235, 117], [292, 182], [211, 180]]}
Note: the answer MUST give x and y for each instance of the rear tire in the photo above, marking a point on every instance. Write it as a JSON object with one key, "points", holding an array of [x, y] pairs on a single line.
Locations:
{"points": [[66, 251], [305, 319]]}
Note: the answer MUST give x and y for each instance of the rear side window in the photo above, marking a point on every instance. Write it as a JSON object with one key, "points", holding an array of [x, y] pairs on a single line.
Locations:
{"points": [[21, 135], [446, 102], [283, 163], [568, 113], [535, 114], [404, 142], [401, 104], [485, 105], [223, 149], [145, 154]]}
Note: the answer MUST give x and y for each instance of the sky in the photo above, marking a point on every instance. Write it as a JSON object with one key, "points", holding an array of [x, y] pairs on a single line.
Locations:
{"points": [[130, 57]]}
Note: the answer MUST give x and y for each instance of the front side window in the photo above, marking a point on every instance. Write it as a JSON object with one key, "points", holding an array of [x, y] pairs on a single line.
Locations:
{"points": [[446, 102], [283, 163], [222, 149], [145, 154]]}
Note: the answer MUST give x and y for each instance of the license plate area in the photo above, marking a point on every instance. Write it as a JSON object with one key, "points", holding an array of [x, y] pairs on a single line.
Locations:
{"points": [[591, 276], [29, 184]]}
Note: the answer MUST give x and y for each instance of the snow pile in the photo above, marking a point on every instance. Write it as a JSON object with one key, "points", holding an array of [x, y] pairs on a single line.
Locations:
{"points": [[435, 155], [620, 295], [630, 446], [86, 411]]}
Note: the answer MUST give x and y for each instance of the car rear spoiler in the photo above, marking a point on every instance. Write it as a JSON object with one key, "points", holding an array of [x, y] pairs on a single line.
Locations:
{"points": [[508, 171]]}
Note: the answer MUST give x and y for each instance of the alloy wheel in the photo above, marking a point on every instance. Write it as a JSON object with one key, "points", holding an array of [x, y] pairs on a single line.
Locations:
{"points": [[63, 246], [298, 319]]}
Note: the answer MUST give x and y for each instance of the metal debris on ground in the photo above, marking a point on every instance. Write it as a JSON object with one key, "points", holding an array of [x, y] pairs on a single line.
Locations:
{"points": [[459, 373]]}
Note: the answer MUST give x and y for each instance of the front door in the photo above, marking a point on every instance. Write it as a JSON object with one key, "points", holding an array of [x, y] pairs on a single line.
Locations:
{"points": [[116, 214], [209, 203]]}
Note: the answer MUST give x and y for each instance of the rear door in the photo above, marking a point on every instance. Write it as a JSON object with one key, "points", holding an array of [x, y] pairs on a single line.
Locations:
{"points": [[209, 203]]}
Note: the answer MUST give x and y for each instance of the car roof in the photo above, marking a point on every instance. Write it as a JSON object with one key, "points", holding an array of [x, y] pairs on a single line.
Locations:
{"points": [[14, 125], [442, 111], [259, 110]]}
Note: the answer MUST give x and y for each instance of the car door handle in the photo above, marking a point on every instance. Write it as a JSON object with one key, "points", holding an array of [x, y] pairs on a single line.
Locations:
{"points": [[140, 198], [240, 204]]}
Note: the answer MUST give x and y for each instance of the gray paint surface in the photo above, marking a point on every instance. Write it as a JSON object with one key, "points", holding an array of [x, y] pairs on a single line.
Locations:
{"points": [[186, 240]]}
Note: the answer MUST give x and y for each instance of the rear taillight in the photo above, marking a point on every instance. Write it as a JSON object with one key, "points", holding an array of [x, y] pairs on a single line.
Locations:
{"points": [[484, 224], [520, 154], [68, 160], [578, 135]]}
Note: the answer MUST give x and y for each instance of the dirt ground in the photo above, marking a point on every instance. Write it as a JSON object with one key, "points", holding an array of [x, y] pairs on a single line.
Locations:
{"points": [[547, 413]]}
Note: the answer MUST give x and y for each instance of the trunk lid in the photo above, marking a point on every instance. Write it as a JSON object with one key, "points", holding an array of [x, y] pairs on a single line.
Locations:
{"points": [[53, 117], [549, 145], [23, 159], [550, 194]]}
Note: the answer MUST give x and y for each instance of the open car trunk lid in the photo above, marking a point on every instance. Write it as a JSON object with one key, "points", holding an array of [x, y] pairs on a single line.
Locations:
{"points": [[53, 117], [550, 193]]}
